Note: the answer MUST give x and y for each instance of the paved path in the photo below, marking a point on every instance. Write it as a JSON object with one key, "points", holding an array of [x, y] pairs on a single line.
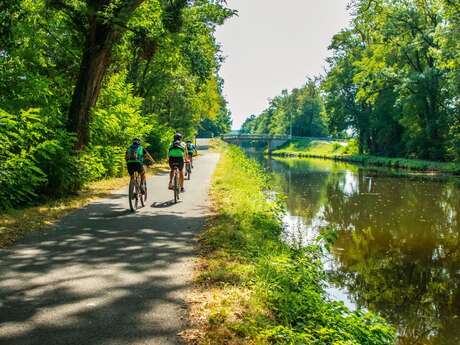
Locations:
{"points": [[106, 276]]}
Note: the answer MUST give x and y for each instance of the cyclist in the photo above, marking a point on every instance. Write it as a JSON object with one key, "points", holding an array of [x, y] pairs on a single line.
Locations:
{"points": [[191, 149], [177, 154], [135, 157]]}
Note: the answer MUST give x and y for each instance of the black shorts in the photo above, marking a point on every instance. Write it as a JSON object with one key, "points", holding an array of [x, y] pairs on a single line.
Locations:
{"points": [[135, 166], [176, 161]]}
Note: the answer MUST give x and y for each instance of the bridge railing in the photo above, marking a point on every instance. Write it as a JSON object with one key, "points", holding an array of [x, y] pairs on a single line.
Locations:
{"points": [[250, 137], [255, 137]]}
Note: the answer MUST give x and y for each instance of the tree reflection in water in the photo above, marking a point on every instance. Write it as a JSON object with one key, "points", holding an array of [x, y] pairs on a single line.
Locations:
{"points": [[398, 240]]}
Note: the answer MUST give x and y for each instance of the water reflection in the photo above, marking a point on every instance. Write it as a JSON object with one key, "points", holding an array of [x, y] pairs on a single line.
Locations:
{"points": [[397, 250]]}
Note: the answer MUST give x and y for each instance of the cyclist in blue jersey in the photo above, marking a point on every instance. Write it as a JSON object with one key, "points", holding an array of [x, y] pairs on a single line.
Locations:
{"points": [[191, 149], [136, 156]]}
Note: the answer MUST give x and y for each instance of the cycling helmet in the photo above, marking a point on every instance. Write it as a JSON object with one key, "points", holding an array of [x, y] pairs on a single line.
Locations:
{"points": [[177, 136], [136, 141]]}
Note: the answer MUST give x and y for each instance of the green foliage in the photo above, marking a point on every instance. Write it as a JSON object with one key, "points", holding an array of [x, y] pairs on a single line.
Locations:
{"points": [[117, 116], [220, 125], [287, 282], [393, 79], [302, 108], [162, 76], [33, 158]]}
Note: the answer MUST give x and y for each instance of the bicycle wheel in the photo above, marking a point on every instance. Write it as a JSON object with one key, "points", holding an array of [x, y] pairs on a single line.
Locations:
{"points": [[137, 193], [176, 187], [189, 171], [141, 196], [145, 191], [131, 195]]}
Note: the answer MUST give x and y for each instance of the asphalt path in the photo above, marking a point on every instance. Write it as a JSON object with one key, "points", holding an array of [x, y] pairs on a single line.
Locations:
{"points": [[103, 275]]}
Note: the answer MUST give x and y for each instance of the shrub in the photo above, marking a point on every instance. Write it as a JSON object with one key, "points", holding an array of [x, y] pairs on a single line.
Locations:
{"points": [[23, 137]]}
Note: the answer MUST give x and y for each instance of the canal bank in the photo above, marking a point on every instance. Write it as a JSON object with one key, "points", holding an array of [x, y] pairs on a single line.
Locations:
{"points": [[347, 151], [252, 287], [394, 240]]}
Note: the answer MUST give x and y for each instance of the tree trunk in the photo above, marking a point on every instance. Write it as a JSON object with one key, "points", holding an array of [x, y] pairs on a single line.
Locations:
{"points": [[95, 60]]}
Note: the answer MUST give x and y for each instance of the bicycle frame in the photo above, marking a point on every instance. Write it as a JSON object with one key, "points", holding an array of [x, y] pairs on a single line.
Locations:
{"points": [[135, 194], [176, 187]]}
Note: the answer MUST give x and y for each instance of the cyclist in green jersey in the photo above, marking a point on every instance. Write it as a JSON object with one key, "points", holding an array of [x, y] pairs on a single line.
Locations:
{"points": [[136, 156], [177, 154]]}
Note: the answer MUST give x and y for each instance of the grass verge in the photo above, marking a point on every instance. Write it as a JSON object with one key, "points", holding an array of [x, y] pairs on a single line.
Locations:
{"points": [[15, 224], [343, 151], [251, 288]]}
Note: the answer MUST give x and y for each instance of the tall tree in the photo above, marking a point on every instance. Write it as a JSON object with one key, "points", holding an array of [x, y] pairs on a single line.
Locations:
{"points": [[102, 23], [390, 78]]}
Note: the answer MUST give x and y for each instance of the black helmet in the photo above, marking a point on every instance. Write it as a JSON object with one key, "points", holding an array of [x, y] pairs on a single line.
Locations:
{"points": [[177, 136], [188, 141], [136, 141]]}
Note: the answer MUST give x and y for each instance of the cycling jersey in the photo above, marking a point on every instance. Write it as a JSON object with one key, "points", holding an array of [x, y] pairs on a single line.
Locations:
{"points": [[135, 154], [177, 149], [191, 149]]}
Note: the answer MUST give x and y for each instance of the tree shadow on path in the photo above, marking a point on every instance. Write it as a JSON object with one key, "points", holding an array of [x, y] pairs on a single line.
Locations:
{"points": [[103, 277]]}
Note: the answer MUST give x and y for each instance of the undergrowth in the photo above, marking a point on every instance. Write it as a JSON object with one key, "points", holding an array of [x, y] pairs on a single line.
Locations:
{"points": [[253, 288]]}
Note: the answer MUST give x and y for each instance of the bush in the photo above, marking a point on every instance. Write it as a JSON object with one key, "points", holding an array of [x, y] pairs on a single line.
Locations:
{"points": [[61, 166], [38, 161], [23, 138], [19, 179]]}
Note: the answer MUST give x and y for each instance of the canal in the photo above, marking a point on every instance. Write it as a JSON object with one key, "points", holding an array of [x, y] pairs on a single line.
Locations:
{"points": [[396, 240]]}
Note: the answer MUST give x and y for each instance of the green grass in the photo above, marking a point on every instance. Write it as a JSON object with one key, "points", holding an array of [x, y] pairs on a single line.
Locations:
{"points": [[347, 151], [319, 148], [252, 287]]}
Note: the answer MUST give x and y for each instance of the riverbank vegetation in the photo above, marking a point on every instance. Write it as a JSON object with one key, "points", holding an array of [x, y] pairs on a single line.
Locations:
{"points": [[252, 288], [80, 79], [348, 151], [392, 83]]}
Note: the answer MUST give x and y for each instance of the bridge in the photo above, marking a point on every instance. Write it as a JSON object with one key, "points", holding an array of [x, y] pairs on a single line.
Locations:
{"points": [[272, 141]]}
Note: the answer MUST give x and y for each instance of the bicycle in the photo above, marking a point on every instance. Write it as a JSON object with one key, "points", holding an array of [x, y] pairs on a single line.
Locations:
{"points": [[135, 193], [188, 170], [176, 184]]}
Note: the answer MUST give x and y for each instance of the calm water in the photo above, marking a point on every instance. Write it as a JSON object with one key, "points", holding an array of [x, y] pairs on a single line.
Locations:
{"points": [[398, 241]]}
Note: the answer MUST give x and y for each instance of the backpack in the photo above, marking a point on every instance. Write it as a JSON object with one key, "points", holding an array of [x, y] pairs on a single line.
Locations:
{"points": [[177, 145], [134, 154]]}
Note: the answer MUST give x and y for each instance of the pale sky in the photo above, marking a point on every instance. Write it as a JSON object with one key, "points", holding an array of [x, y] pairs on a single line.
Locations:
{"points": [[274, 45]]}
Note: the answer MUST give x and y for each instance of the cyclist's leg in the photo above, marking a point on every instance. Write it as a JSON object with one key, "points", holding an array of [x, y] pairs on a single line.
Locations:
{"points": [[171, 171], [131, 170], [141, 172], [181, 172]]}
